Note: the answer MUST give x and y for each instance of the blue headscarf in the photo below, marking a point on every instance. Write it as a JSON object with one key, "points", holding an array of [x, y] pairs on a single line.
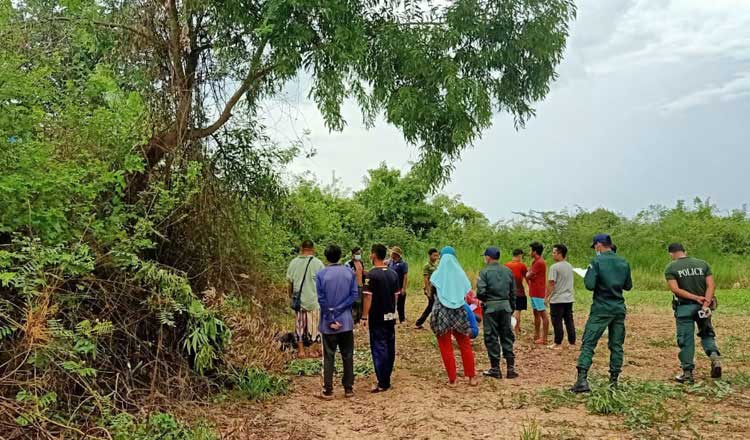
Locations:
{"points": [[450, 280]]}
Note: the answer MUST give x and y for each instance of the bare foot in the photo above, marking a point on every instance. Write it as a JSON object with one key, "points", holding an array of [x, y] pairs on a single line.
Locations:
{"points": [[473, 381], [451, 384]]}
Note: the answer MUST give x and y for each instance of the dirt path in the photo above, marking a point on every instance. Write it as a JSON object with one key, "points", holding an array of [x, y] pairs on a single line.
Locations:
{"points": [[420, 406]]}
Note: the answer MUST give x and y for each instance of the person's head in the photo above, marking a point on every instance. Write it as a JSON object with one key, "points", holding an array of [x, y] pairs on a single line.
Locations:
{"points": [[536, 249], [396, 254], [559, 252], [517, 254], [602, 243], [434, 255], [333, 254], [378, 253], [491, 255], [447, 250], [357, 253], [676, 251], [307, 247]]}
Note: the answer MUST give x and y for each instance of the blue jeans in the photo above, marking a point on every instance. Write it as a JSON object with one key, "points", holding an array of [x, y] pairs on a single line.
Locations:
{"points": [[383, 349]]}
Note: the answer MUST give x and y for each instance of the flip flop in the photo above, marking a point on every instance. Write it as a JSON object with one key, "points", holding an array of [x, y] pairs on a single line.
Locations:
{"points": [[377, 389]]}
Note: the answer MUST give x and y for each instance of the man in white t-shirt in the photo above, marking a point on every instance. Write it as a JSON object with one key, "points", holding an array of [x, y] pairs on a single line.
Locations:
{"points": [[561, 295], [301, 277]]}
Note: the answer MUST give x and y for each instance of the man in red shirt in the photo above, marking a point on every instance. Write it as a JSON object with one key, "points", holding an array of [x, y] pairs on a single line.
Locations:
{"points": [[536, 278], [519, 273]]}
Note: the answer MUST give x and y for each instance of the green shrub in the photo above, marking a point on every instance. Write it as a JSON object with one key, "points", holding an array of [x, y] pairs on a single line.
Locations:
{"points": [[257, 384], [161, 426]]}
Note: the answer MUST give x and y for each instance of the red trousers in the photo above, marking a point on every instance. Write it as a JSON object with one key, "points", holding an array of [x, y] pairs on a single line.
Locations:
{"points": [[467, 355]]}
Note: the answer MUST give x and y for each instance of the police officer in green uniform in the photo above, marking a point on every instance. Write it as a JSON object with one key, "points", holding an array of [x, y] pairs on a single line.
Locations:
{"points": [[692, 284], [496, 288], [607, 276]]}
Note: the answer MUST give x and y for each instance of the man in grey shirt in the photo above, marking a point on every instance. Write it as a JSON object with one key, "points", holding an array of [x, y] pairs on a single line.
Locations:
{"points": [[561, 295]]}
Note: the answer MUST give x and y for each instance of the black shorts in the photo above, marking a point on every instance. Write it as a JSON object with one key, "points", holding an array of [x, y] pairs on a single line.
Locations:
{"points": [[521, 303]]}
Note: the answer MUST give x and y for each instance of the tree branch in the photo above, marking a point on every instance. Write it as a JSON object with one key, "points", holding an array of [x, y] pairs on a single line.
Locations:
{"points": [[247, 85], [255, 75], [106, 24]]}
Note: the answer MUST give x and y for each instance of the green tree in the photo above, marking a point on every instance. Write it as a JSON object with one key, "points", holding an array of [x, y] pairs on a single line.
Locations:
{"points": [[435, 71]]}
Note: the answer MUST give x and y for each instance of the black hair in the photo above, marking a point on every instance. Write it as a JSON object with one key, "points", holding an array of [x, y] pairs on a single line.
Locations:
{"points": [[517, 252], [562, 249], [432, 251], [614, 248], [537, 247], [333, 253], [356, 249], [676, 247], [307, 244], [380, 251]]}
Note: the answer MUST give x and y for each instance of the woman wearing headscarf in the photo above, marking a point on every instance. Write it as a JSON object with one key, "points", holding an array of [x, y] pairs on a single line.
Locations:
{"points": [[449, 316]]}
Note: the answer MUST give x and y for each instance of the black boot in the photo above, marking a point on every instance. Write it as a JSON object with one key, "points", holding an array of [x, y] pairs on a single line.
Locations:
{"points": [[494, 371], [685, 377], [582, 383], [613, 377], [715, 365], [511, 374]]}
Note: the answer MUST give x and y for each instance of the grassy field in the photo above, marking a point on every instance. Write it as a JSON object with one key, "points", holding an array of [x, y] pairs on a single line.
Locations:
{"points": [[536, 405]]}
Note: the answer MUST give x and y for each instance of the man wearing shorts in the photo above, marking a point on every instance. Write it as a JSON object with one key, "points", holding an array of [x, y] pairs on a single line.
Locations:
{"points": [[519, 273], [536, 278]]}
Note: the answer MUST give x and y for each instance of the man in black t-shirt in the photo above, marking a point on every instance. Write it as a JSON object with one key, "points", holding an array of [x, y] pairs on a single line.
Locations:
{"points": [[379, 316]]}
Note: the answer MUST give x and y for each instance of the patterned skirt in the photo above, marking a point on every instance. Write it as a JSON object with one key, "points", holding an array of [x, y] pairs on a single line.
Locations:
{"points": [[444, 319]]}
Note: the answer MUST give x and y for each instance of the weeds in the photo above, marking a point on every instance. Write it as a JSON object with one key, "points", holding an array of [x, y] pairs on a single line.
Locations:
{"points": [[312, 367], [257, 384], [158, 426], [551, 398], [531, 431]]}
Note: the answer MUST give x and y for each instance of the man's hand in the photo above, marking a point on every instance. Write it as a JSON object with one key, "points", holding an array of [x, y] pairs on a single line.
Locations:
{"points": [[364, 323], [336, 326]]}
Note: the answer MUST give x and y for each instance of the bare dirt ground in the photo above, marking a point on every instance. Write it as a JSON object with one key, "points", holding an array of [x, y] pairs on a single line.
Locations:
{"points": [[420, 406]]}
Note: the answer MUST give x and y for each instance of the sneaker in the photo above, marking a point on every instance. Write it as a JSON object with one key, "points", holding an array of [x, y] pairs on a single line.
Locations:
{"points": [[555, 347], [715, 365], [494, 373], [686, 377]]}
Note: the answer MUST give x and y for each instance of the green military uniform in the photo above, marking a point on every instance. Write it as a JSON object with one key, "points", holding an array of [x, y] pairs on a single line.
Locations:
{"points": [[496, 289], [690, 274], [607, 276]]}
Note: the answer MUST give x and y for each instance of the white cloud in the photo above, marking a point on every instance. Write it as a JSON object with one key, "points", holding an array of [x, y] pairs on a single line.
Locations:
{"points": [[653, 32], [737, 88]]}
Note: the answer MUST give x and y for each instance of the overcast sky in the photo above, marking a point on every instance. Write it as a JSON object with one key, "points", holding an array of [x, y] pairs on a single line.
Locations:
{"points": [[652, 105]]}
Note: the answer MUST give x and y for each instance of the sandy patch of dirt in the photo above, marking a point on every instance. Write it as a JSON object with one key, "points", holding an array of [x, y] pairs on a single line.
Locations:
{"points": [[420, 406]]}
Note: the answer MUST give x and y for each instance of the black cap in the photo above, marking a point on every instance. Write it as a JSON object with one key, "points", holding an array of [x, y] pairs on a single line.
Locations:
{"points": [[492, 252], [676, 247], [604, 239]]}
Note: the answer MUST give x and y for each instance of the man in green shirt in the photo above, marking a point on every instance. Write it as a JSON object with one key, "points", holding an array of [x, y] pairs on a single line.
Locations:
{"points": [[607, 276], [429, 289], [496, 288], [692, 283], [301, 277]]}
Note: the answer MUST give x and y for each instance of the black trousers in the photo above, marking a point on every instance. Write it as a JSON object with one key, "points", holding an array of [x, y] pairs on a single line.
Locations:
{"points": [[345, 343], [400, 306], [563, 313], [427, 310]]}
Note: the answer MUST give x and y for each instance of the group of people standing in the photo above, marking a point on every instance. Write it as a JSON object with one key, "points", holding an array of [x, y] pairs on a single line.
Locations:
{"points": [[329, 300]]}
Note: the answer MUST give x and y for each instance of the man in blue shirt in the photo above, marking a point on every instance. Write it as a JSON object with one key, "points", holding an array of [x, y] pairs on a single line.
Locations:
{"points": [[399, 266], [337, 290]]}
